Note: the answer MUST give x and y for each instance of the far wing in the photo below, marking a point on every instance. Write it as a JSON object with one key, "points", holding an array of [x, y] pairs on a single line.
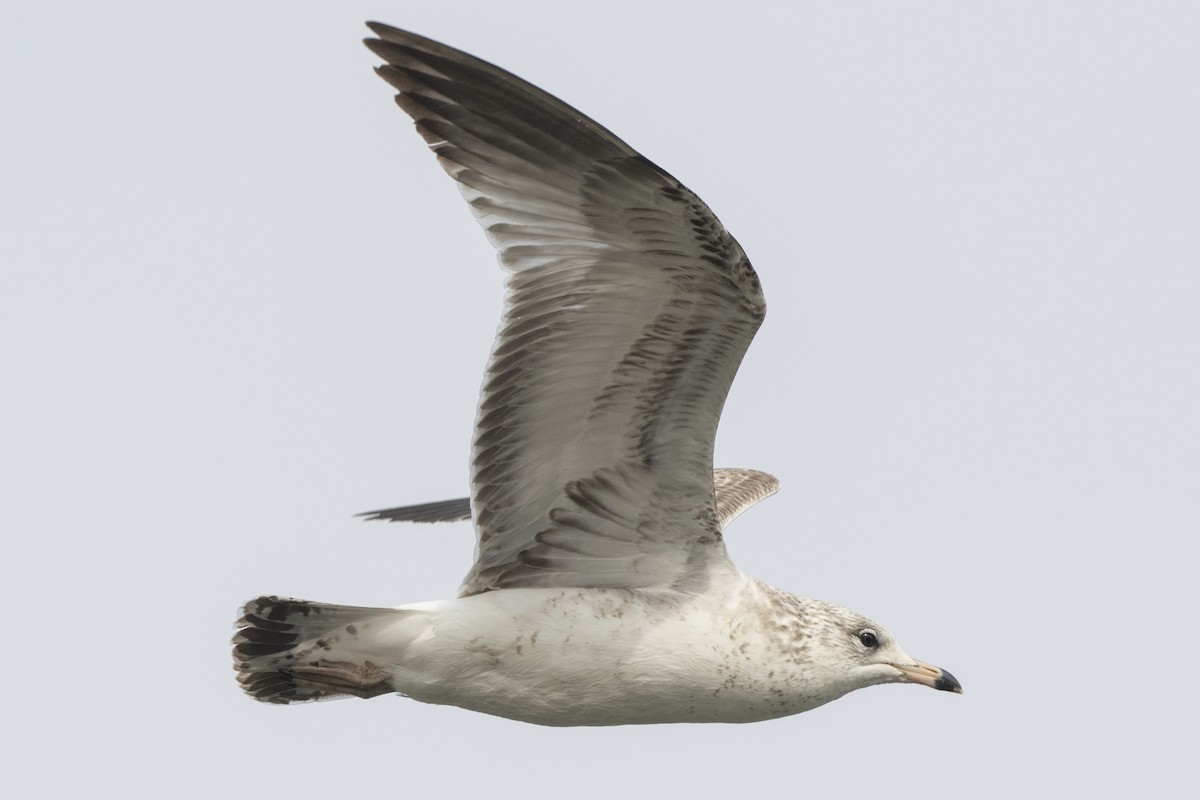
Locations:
{"points": [[736, 490], [442, 511]]}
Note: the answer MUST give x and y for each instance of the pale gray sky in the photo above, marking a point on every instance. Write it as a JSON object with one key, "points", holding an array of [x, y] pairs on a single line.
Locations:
{"points": [[239, 302]]}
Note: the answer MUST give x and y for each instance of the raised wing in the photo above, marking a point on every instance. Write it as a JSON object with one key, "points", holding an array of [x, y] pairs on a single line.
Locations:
{"points": [[628, 310], [736, 490]]}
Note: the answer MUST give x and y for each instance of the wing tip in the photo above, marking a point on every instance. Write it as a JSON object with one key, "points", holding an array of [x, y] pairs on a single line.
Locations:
{"points": [[456, 510]]}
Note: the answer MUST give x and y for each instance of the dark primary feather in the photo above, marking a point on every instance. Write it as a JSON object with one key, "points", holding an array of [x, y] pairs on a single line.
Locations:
{"points": [[628, 309], [442, 511]]}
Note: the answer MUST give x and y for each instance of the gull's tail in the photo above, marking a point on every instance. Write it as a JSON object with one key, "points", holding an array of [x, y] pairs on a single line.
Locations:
{"points": [[289, 651]]}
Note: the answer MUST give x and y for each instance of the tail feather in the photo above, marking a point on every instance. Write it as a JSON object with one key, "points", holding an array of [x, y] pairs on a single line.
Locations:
{"points": [[289, 651]]}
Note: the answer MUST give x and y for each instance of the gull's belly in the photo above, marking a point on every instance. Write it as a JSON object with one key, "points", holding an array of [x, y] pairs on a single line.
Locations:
{"points": [[600, 657]]}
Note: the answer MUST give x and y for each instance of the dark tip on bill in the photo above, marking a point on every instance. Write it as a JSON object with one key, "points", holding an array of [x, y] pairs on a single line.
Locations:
{"points": [[948, 683]]}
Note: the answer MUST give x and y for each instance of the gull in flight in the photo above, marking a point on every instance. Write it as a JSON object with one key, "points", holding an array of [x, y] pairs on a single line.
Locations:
{"points": [[601, 591]]}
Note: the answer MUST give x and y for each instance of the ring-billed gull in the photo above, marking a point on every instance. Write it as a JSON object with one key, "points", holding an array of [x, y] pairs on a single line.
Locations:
{"points": [[601, 592]]}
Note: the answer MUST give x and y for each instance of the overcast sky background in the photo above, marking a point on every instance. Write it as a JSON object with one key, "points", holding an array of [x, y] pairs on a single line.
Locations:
{"points": [[239, 301]]}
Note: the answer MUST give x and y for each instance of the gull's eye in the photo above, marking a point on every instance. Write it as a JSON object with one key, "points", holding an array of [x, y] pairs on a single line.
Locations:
{"points": [[868, 638]]}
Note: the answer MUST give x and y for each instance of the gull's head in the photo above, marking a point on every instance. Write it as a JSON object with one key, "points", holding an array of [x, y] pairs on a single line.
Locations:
{"points": [[859, 653], [877, 658]]}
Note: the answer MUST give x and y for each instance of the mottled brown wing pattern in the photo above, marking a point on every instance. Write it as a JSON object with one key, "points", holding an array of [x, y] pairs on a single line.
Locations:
{"points": [[738, 489]]}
